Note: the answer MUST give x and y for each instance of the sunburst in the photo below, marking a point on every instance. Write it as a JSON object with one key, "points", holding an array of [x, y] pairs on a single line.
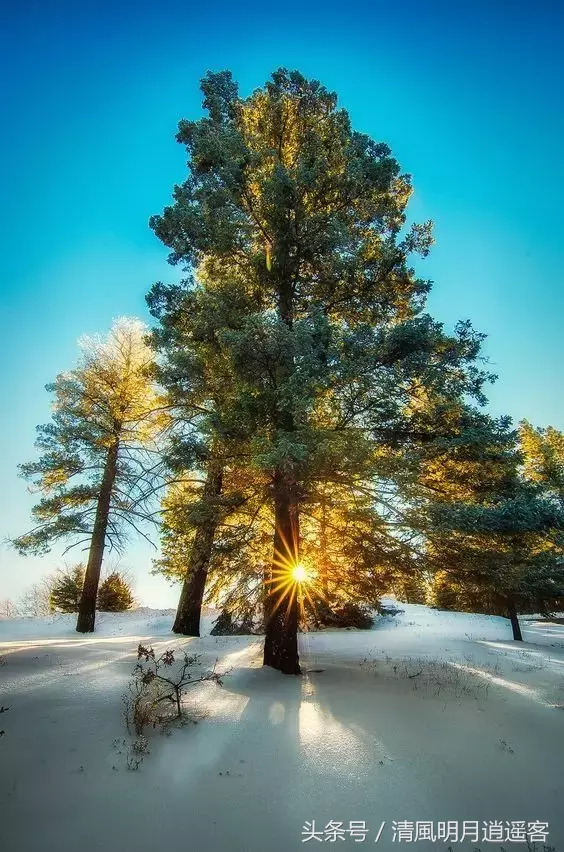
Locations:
{"points": [[292, 579], [300, 573]]}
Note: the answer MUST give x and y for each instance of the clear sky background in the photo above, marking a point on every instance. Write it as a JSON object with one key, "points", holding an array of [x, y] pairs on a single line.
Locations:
{"points": [[468, 94]]}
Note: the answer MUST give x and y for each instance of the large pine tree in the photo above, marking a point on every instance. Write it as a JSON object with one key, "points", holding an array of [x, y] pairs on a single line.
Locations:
{"points": [[301, 220]]}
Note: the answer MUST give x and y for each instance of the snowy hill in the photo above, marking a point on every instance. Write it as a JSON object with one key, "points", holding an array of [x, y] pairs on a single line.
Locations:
{"points": [[429, 716]]}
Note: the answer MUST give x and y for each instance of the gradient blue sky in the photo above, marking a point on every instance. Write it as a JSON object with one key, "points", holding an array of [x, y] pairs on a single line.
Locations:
{"points": [[469, 96]]}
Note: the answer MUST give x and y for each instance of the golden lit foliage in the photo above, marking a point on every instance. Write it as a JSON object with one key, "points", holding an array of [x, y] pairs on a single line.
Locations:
{"points": [[106, 427], [115, 387], [543, 451]]}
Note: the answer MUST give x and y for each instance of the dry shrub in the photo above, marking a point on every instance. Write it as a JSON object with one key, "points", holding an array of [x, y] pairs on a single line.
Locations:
{"points": [[157, 686]]}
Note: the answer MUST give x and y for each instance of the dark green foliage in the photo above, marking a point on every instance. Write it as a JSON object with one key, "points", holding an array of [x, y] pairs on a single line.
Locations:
{"points": [[495, 538], [346, 614], [114, 594], [225, 625], [67, 589]]}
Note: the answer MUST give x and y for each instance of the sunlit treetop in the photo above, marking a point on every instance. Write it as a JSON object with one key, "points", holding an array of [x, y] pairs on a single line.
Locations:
{"points": [[543, 452], [279, 184], [110, 386], [108, 401]]}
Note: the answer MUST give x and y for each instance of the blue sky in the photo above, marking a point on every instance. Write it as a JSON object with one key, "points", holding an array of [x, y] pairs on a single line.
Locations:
{"points": [[469, 96]]}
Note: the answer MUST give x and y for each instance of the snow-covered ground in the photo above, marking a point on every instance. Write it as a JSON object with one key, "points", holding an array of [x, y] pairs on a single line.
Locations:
{"points": [[430, 716]]}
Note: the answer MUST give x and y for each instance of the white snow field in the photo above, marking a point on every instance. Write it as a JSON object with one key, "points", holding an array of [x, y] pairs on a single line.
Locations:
{"points": [[430, 717]]}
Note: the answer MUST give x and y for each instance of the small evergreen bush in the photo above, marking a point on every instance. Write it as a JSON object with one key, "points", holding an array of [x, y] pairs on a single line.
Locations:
{"points": [[114, 594], [66, 589]]}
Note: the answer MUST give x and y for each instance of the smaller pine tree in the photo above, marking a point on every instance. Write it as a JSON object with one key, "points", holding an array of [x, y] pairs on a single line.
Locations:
{"points": [[66, 589], [115, 594]]}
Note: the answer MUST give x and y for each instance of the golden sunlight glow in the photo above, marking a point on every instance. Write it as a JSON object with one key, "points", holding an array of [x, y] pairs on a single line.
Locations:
{"points": [[291, 580], [299, 573]]}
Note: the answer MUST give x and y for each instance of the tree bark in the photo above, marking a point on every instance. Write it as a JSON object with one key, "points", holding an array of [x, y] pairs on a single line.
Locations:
{"points": [[266, 600], [516, 627], [188, 614], [87, 605], [282, 605]]}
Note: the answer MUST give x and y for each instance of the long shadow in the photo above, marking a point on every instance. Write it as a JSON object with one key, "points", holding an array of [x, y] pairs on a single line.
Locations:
{"points": [[345, 745]]}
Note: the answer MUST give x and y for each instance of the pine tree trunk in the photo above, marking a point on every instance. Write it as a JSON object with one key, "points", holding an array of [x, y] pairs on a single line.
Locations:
{"points": [[267, 598], [516, 627], [87, 605], [282, 605], [188, 614]]}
